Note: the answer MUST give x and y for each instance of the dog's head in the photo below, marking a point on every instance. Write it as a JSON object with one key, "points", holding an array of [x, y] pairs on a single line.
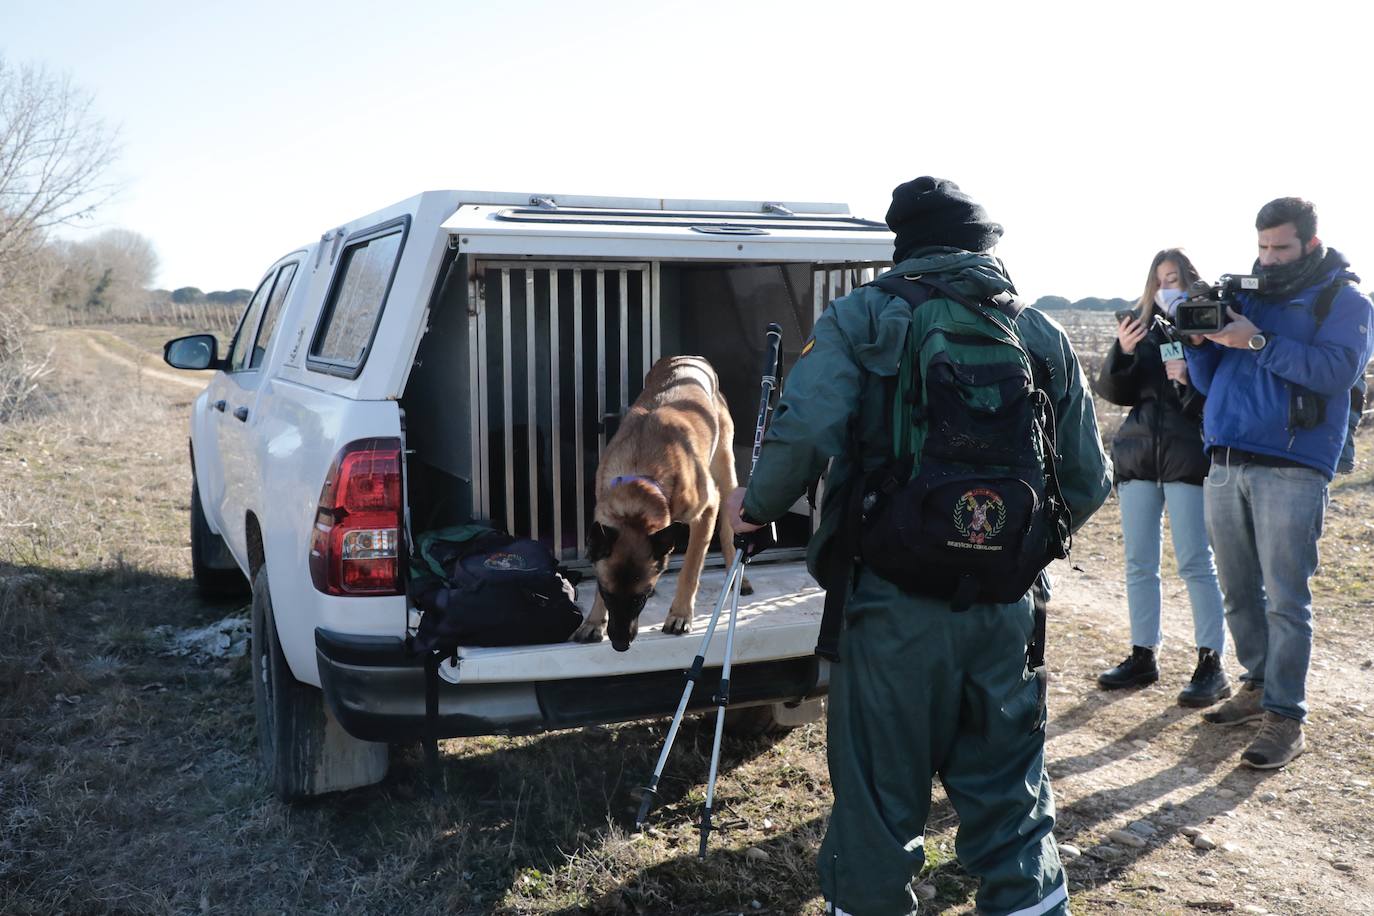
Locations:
{"points": [[628, 561]]}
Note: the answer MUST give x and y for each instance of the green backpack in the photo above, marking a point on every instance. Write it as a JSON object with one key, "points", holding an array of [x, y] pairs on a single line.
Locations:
{"points": [[968, 509]]}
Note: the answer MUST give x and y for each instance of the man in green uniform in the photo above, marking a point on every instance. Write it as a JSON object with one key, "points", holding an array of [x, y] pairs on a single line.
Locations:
{"points": [[922, 690]]}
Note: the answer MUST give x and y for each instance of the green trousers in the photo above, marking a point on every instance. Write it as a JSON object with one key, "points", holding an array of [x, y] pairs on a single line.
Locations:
{"points": [[922, 691]]}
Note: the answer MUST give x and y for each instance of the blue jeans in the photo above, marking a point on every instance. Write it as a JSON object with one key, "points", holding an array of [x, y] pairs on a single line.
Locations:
{"points": [[1142, 506], [1264, 524]]}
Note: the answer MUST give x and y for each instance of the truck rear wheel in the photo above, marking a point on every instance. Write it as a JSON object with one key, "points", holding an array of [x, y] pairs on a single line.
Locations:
{"points": [[212, 565], [304, 750]]}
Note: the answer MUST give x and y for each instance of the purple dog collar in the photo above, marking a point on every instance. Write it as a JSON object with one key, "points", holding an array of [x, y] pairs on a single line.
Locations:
{"points": [[627, 478]]}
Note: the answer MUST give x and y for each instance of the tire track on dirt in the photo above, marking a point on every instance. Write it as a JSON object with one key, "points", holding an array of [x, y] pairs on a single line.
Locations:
{"points": [[191, 382]]}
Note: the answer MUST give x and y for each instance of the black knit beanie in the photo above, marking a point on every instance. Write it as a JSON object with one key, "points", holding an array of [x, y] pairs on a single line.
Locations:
{"points": [[933, 211]]}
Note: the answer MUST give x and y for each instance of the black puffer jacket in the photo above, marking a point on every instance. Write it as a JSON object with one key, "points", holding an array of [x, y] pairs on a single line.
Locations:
{"points": [[1161, 438]]}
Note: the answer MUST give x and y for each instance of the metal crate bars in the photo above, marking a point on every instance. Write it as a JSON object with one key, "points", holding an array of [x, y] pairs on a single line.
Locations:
{"points": [[560, 351]]}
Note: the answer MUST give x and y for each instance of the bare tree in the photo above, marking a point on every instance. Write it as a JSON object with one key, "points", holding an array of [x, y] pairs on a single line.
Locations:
{"points": [[102, 277], [53, 152]]}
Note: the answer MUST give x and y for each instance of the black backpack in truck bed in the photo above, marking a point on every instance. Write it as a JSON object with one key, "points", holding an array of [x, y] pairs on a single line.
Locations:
{"points": [[476, 586]]}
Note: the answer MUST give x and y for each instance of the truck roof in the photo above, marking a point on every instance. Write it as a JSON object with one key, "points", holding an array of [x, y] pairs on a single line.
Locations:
{"points": [[564, 201], [520, 224]]}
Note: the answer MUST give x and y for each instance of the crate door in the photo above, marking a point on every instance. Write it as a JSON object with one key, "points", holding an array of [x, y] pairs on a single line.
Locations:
{"points": [[560, 351]]}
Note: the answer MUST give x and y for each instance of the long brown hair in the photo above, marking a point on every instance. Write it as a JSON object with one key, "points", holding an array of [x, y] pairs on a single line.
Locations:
{"points": [[1187, 274]]}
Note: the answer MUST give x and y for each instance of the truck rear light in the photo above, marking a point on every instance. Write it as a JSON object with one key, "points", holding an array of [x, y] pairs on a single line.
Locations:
{"points": [[371, 544], [356, 545]]}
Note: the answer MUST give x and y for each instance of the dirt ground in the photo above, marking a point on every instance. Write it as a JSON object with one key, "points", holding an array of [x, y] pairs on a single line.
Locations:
{"points": [[128, 781]]}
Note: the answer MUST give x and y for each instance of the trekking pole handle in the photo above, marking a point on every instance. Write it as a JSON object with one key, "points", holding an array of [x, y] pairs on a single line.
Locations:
{"points": [[772, 350]]}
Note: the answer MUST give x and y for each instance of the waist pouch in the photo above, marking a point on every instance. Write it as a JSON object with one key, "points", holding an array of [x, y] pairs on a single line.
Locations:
{"points": [[957, 534]]}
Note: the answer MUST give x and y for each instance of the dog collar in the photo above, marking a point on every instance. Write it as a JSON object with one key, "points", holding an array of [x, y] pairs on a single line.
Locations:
{"points": [[627, 478]]}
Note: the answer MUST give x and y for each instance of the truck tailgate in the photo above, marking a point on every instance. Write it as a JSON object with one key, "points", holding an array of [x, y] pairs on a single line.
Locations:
{"points": [[779, 620]]}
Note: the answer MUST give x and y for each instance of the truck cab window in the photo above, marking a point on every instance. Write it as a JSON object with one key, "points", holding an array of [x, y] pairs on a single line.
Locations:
{"points": [[356, 300], [238, 356], [272, 314]]}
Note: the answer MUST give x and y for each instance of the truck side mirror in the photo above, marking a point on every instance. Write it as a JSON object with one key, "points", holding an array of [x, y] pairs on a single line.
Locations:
{"points": [[198, 351]]}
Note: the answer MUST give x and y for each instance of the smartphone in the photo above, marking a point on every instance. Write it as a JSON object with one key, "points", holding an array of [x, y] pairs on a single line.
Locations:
{"points": [[1123, 314]]}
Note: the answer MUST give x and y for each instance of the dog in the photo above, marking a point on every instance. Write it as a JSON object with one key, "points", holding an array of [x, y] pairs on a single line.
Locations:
{"points": [[666, 469]]}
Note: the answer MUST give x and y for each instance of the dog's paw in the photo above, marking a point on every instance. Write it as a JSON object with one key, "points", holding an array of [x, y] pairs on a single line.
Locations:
{"points": [[677, 625], [590, 632], [745, 588]]}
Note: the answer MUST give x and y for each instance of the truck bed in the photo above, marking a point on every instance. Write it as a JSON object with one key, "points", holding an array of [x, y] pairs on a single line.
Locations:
{"points": [[779, 620]]}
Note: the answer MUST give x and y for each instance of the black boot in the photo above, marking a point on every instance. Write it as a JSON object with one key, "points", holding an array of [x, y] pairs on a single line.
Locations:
{"points": [[1209, 684], [1136, 671]]}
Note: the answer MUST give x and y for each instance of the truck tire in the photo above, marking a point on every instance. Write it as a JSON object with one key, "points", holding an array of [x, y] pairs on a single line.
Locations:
{"points": [[304, 750], [212, 565], [770, 718]]}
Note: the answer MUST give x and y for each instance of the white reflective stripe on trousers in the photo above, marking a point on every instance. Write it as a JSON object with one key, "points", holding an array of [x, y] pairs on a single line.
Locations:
{"points": [[1049, 902]]}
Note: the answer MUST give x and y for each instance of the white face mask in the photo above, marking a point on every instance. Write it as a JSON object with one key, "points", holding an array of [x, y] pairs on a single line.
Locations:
{"points": [[1168, 299]]}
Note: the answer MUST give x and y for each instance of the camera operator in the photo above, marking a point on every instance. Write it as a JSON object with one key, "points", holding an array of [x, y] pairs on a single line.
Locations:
{"points": [[1277, 380]]}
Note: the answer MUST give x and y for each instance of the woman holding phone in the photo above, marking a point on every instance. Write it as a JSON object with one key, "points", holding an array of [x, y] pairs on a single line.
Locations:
{"points": [[1160, 466]]}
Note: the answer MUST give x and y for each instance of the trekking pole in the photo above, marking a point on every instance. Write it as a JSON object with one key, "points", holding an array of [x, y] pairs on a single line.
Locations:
{"points": [[722, 700], [771, 364], [650, 792]]}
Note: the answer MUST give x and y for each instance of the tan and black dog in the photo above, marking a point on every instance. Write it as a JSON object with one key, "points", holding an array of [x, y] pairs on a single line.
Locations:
{"points": [[667, 467]]}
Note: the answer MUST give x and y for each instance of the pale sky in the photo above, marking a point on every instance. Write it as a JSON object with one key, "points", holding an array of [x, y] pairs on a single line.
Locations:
{"points": [[1097, 133]]}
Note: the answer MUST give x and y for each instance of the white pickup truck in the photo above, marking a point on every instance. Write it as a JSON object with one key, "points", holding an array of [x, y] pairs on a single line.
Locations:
{"points": [[465, 356]]}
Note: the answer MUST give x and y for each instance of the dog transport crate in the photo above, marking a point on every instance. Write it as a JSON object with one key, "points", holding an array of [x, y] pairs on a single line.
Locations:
{"points": [[563, 307]]}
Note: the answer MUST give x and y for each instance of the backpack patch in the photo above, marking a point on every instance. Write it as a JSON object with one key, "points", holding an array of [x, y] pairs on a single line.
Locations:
{"points": [[506, 562], [972, 521]]}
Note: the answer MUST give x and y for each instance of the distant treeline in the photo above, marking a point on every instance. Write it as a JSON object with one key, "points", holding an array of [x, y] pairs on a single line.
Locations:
{"points": [[1091, 304], [190, 295]]}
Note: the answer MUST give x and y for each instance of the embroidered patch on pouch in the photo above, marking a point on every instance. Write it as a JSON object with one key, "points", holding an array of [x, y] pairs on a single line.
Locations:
{"points": [[505, 561], [979, 521]]}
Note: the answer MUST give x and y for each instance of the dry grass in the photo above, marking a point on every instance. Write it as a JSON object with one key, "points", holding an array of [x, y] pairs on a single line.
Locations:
{"points": [[128, 779]]}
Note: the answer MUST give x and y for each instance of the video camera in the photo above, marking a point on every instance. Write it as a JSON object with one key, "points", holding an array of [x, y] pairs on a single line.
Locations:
{"points": [[1204, 311]]}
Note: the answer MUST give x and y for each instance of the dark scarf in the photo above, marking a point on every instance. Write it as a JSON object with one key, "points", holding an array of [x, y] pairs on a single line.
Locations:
{"points": [[1285, 280]]}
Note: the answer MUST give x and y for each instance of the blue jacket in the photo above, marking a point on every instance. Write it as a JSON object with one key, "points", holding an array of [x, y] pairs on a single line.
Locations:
{"points": [[1248, 392]]}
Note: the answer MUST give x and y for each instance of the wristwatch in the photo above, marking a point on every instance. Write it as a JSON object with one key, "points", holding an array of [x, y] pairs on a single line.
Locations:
{"points": [[1259, 341]]}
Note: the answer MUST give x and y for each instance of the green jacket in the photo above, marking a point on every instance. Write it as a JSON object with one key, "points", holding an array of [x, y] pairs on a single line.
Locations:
{"points": [[837, 384]]}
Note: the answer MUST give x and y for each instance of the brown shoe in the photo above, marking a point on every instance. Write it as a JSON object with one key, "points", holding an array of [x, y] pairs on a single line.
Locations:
{"points": [[1243, 707], [1278, 742]]}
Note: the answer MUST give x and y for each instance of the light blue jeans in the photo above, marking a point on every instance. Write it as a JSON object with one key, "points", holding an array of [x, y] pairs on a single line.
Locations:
{"points": [[1264, 524], [1143, 503]]}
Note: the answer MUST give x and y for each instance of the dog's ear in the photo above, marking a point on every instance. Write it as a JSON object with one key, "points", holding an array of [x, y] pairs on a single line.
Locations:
{"points": [[600, 540], [662, 542]]}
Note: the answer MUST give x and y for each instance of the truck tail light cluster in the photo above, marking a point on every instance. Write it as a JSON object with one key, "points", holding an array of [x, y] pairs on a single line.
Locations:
{"points": [[355, 548]]}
